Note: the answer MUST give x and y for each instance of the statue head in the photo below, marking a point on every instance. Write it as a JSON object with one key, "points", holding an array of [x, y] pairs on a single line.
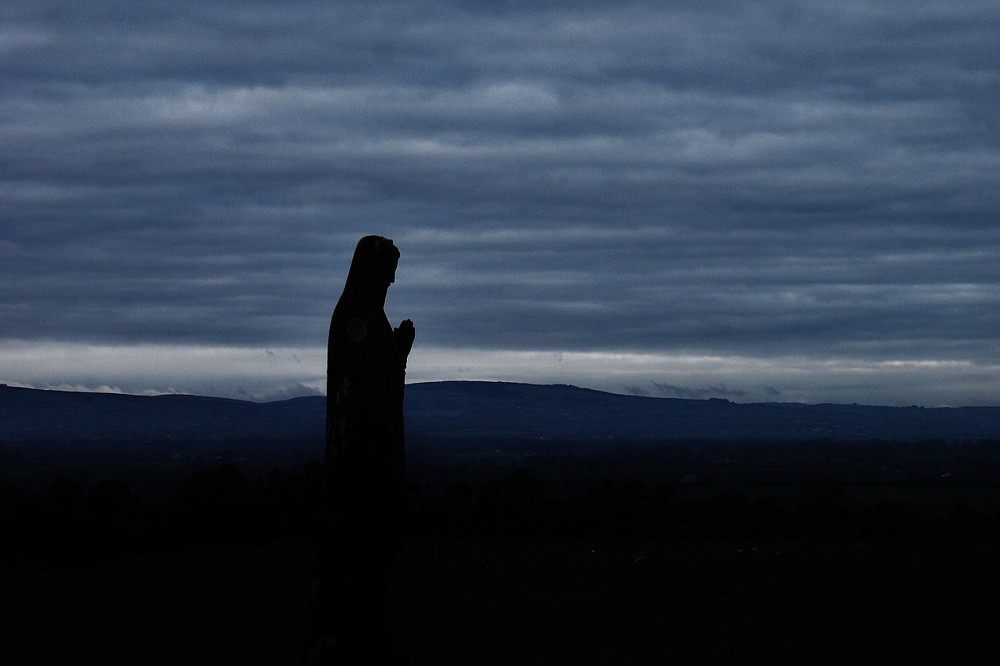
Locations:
{"points": [[373, 269]]}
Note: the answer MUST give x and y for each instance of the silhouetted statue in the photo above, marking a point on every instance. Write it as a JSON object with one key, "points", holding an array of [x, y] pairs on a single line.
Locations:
{"points": [[364, 484]]}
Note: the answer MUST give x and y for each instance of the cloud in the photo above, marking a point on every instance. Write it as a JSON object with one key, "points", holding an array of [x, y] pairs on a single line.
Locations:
{"points": [[711, 179], [670, 390]]}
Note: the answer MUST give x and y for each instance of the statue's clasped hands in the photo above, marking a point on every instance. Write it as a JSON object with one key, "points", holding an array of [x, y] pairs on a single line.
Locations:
{"points": [[404, 335]]}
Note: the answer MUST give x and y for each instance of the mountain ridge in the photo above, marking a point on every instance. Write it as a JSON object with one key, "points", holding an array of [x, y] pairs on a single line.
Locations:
{"points": [[481, 410]]}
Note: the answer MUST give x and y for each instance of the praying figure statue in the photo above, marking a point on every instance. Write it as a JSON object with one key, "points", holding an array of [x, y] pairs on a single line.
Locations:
{"points": [[364, 469]]}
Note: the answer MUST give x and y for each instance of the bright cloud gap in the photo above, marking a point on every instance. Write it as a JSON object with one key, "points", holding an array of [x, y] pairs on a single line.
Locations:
{"points": [[278, 373]]}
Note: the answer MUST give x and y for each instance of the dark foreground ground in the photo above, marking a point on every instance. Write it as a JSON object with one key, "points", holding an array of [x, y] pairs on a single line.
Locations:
{"points": [[532, 601]]}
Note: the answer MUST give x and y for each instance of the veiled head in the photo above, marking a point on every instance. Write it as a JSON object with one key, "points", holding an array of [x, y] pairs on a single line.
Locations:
{"points": [[373, 269]]}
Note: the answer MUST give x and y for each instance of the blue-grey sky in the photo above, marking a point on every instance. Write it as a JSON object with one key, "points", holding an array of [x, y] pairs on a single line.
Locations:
{"points": [[752, 200]]}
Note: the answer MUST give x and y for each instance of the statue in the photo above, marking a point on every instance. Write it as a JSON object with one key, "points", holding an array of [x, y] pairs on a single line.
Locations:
{"points": [[364, 469]]}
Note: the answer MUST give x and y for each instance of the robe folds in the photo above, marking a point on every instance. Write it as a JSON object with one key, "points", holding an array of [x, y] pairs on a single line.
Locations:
{"points": [[364, 471]]}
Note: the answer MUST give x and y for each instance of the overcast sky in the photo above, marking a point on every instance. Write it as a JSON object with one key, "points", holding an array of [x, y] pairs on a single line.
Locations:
{"points": [[761, 201]]}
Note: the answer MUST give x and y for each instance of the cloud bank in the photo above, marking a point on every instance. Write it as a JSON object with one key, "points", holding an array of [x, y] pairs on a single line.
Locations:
{"points": [[810, 193]]}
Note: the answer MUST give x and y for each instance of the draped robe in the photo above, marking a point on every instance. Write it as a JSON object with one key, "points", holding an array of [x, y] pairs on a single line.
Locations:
{"points": [[364, 463]]}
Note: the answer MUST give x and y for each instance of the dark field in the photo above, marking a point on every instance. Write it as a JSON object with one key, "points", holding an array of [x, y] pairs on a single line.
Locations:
{"points": [[532, 601], [177, 530]]}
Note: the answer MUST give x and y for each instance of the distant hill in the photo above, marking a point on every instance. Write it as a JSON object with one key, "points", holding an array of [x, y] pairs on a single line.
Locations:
{"points": [[559, 412], [478, 410], [33, 415]]}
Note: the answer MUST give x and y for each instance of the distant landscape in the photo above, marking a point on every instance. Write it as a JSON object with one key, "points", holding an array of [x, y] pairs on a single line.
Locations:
{"points": [[482, 427], [485, 457], [536, 511]]}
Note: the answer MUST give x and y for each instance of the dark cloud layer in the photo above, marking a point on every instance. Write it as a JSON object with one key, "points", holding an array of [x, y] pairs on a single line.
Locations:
{"points": [[765, 181]]}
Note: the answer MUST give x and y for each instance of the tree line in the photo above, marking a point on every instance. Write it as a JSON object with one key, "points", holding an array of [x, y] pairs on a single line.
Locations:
{"points": [[69, 522]]}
